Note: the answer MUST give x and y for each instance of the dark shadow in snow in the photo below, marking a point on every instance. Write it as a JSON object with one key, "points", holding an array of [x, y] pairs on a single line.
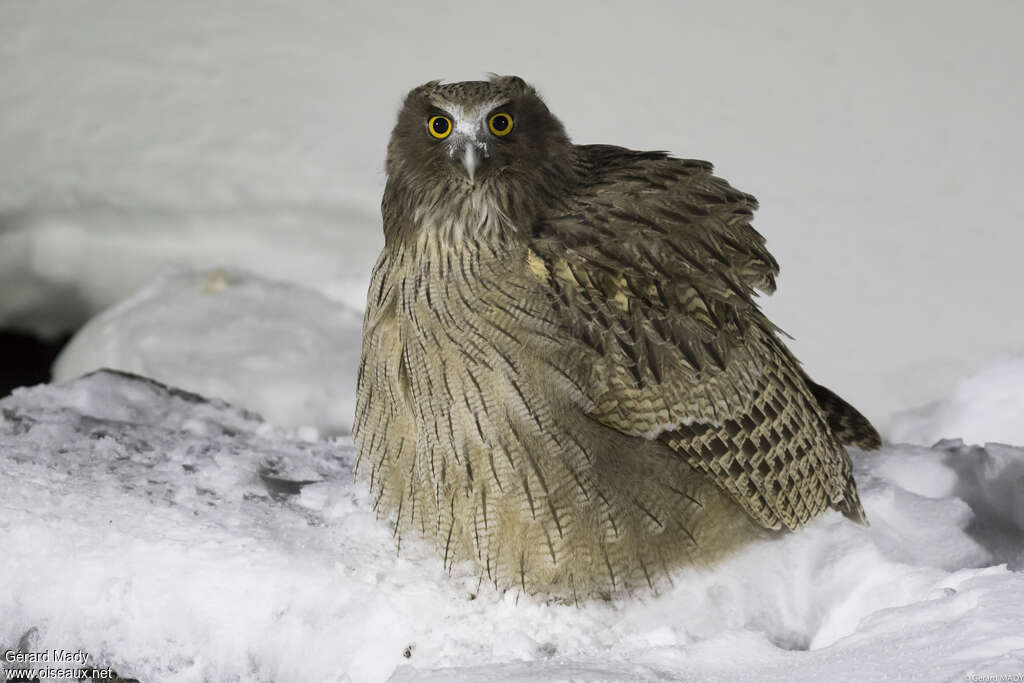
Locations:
{"points": [[991, 481], [25, 360]]}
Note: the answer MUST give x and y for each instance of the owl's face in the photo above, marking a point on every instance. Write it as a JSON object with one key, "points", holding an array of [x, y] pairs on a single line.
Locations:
{"points": [[475, 135]]}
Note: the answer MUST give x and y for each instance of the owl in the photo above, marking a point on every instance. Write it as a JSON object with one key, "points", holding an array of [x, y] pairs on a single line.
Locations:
{"points": [[565, 378]]}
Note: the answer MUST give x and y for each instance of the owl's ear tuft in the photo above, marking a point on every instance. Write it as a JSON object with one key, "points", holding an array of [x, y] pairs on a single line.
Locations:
{"points": [[510, 82], [426, 87]]}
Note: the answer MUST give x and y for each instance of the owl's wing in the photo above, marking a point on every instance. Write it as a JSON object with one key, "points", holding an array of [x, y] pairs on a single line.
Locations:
{"points": [[653, 265]]}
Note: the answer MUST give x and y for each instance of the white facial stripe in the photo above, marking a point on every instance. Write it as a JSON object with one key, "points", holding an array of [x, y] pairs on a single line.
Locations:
{"points": [[468, 123], [467, 127]]}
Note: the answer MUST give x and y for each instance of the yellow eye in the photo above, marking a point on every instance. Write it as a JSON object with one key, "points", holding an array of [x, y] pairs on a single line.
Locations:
{"points": [[439, 126], [500, 124]]}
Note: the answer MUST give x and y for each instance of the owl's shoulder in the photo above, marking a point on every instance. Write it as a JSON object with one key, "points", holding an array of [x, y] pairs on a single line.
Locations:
{"points": [[667, 217], [610, 174], [612, 161]]}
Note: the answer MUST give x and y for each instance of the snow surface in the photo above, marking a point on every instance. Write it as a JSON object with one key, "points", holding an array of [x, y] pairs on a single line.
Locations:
{"points": [[180, 539], [282, 350], [883, 140]]}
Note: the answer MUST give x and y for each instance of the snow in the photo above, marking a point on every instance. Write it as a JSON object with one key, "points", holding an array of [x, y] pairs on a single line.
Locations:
{"points": [[59, 267], [177, 538], [985, 406], [881, 138], [280, 349]]}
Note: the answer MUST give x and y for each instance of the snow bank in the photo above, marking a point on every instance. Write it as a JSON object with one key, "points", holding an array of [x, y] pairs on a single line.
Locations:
{"points": [[987, 406], [280, 349], [883, 140], [180, 539], [60, 267]]}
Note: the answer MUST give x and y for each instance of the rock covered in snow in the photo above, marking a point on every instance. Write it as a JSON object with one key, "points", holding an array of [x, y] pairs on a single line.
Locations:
{"points": [[181, 539], [283, 350]]}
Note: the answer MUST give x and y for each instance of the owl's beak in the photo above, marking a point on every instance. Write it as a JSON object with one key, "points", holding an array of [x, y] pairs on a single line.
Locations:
{"points": [[470, 162]]}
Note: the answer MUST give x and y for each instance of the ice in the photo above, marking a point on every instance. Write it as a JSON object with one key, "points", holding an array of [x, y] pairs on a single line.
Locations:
{"points": [[181, 539]]}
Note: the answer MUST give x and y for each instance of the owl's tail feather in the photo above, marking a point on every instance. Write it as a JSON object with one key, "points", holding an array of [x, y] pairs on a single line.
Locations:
{"points": [[850, 504], [847, 424]]}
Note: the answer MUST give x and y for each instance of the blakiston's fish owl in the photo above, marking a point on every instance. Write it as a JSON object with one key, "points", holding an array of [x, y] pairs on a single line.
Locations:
{"points": [[564, 376]]}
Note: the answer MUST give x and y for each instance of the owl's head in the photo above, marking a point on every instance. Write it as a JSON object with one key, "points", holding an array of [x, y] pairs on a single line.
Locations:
{"points": [[477, 135]]}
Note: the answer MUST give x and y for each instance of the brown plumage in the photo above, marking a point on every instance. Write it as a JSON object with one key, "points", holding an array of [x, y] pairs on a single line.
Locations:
{"points": [[565, 378]]}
